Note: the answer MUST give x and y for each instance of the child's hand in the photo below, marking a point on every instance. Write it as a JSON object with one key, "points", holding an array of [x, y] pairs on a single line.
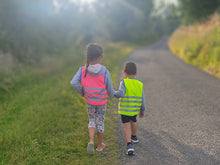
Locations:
{"points": [[141, 115]]}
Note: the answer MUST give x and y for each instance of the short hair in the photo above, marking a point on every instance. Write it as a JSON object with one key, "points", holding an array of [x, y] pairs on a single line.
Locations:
{"points": [[130, 68]]}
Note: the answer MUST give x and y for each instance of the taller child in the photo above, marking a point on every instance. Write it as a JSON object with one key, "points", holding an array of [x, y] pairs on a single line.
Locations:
{"points": [[94, 83]]}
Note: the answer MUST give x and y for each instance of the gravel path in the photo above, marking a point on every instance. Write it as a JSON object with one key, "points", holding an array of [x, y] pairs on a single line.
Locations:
{"points": [[182, 123]]}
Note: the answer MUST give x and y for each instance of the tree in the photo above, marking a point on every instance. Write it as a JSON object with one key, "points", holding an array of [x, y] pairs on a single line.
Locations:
{"points": [[197, 10], [32, 29]]}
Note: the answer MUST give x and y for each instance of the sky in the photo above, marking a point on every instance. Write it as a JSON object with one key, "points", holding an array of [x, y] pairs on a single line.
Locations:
{"points": [[157, 2], [58, 5], [91, 1]]}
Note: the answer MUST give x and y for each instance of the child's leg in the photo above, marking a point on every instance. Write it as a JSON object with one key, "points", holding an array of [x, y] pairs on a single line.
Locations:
{"points": [[126, 120], [134, 138], [100, 118], [100, 138], [127, 131], [91, 126], [91, 134], [133, 128], [91, 129]]}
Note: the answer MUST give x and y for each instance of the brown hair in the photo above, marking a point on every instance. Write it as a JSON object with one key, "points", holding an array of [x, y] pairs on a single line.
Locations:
{"points": [[93, 52], [130, 68]]}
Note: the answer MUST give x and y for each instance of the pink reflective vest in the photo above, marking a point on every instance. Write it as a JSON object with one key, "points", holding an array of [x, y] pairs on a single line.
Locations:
{"points": [[94, 88]]}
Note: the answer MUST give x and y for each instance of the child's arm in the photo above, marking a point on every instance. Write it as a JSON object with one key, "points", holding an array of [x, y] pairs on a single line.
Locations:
{"points": [[143, 106], [109, 86], [121, 90], [75, 82]]}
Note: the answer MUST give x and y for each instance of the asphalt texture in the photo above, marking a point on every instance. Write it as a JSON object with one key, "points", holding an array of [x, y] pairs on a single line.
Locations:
{"points": [[181, 125]]}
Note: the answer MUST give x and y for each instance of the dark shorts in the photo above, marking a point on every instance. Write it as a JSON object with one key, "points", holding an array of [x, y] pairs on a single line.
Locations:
{"points": [[126, 119]]}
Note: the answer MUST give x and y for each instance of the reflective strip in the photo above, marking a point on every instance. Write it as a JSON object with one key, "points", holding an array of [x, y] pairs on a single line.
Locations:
{"points": [[127, 101], [93, 93], [125, 110], [130, 106], [96, 99], [132, 97], [96, 96], [88, 88]]}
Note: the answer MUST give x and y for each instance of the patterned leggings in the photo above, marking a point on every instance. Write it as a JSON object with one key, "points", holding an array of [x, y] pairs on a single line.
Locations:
{"points": [[96, 116]]}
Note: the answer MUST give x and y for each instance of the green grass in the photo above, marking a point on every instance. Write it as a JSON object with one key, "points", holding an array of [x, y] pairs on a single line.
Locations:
{"points": [[44, 121], [200, 48]]}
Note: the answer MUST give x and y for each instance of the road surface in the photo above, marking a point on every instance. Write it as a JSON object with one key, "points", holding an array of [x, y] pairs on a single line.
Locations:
{"points": [[181, 125]]}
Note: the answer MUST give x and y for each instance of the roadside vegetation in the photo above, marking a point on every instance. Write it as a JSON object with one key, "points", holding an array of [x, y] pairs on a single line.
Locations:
{"points": [[198, 44]]}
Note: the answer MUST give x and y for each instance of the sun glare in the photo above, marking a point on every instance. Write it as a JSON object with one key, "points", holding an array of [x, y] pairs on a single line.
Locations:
{"points": [[83, 1]]}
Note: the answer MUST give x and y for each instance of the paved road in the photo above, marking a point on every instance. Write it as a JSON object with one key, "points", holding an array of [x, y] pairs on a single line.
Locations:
{"points": [[182, 123]]}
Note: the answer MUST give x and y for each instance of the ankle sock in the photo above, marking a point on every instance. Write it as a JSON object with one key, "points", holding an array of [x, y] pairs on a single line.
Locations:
{"points": [[128, 143]]}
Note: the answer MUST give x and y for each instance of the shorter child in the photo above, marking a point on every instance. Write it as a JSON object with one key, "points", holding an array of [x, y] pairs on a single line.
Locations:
{"points": [[131, 102]]}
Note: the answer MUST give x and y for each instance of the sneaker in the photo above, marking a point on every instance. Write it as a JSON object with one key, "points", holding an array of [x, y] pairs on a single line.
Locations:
{"points": [[134, 139], [130, 149], [90, 148]]}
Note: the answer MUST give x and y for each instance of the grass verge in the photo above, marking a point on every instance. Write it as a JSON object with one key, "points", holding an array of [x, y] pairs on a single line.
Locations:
{"points": [[44, 121]]}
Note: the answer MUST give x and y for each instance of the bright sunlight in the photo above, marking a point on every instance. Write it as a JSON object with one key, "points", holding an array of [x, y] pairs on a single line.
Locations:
{"points": [[83, 1]]}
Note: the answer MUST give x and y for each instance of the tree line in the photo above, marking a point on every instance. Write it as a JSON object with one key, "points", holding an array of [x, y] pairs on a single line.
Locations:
{"points": [[32, 29], [193, 11]]}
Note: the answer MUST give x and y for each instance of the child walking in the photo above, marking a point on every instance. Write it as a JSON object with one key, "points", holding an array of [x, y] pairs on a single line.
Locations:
{"points": [[94, 83], [131, 103]]}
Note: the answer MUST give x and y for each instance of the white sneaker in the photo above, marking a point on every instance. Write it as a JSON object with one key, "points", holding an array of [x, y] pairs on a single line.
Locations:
{"points": [[130, 149], [134, 139], [90, 148]]}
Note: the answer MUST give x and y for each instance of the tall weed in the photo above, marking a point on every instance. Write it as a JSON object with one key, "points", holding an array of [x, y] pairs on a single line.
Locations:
{"points": [[199, 45]]}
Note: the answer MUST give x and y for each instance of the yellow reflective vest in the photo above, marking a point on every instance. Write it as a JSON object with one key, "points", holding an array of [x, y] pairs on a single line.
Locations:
{"points": [[131, 103]]}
